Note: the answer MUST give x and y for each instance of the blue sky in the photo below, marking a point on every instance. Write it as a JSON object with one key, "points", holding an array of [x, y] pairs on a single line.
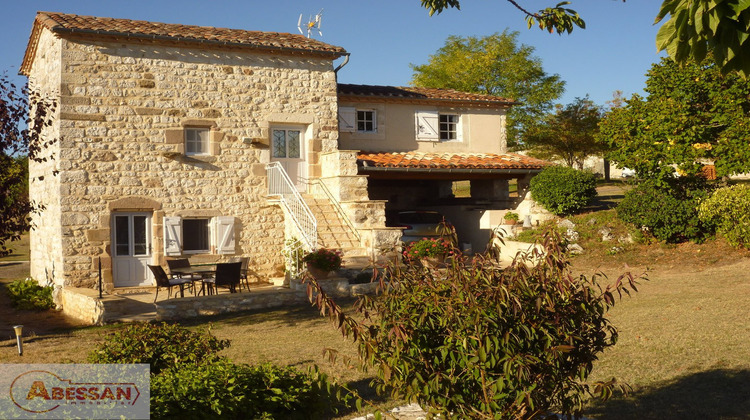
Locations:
{"points": [[385, 36]]}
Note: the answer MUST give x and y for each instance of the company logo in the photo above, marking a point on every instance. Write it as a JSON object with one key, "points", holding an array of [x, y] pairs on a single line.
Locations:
{"points": [[87, 391], [40, 391]]}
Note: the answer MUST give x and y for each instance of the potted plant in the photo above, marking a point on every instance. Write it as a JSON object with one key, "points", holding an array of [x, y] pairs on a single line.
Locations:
{"points": [[430, 252], [322, 261], [511, 218]]}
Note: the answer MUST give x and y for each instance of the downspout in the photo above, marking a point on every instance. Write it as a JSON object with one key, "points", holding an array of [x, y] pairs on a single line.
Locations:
{"points": [[340, 66]]}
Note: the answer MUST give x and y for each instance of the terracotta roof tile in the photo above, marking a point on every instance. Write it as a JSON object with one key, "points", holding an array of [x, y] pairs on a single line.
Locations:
{"points": [[416, 93], [450, 160], [62, 23]]}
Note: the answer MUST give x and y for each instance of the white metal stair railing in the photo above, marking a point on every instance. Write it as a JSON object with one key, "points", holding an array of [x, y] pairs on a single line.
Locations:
{"points": [[280, 185]]}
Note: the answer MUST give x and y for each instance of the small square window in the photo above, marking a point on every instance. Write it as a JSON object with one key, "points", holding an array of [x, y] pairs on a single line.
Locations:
{"points": [[196, 235], [196, 141], [448, 127], [366, 122]]}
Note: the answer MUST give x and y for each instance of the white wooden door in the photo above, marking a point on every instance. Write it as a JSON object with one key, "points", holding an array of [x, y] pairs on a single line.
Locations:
{"points": [[131, 249], [287, 149]]}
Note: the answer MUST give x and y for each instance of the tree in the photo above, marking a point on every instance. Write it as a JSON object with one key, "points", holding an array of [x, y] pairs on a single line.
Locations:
{"points": [[553, 19], [494, 65], [693, 114], [694, 29], [697, 29], [20, 141], [568, 134]]}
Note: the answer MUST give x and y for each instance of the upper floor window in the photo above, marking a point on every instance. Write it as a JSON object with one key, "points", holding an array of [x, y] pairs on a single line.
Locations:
{"points": [[196, 140], [358, 120], [366, 121], [448, 127]]}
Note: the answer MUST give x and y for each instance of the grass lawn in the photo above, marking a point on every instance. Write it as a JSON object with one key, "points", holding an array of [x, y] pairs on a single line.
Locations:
{"points": [[19, 249], [683, 344]]}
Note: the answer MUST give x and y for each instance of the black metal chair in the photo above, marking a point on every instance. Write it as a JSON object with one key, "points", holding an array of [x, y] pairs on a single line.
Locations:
{"points": [[162, 280], [227, 275], [178, 263], [243, 273]]}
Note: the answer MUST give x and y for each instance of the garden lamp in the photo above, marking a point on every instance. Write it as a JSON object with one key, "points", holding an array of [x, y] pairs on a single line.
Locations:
{"points": [[19, 332]]}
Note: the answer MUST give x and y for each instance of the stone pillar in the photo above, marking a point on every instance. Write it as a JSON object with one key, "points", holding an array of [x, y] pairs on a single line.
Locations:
{"points": [[523, 184]]}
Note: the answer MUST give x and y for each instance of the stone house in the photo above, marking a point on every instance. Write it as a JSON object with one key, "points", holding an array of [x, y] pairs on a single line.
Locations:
{"points": [[178, 140]]}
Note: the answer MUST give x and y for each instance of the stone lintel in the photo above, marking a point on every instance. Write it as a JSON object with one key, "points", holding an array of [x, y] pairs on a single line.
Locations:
{"points": [[82, 117], [134, 203]]}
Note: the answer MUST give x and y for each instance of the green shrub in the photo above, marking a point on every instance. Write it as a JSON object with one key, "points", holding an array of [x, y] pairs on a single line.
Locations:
{"points": [[161, 345], [28, 294], [563, 190], [667, 210], [728, 211], [477, 341], [224, 390]]}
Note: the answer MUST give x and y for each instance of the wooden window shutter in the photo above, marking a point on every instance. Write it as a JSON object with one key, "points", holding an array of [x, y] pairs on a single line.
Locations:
{"points": [[224, 229], [172, 235], [427, 125], [347, 119]]}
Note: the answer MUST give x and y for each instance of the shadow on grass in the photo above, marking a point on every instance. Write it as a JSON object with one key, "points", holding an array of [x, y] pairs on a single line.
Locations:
{"points": [[712, 394]]}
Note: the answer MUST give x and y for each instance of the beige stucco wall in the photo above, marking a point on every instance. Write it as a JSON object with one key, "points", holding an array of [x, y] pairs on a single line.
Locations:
{"points": [[123, 106], [483, 130]]}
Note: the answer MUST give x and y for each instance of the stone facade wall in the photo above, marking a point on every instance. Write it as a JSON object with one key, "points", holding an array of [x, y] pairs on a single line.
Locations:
{"points": [[46, 237], [124, 107]]}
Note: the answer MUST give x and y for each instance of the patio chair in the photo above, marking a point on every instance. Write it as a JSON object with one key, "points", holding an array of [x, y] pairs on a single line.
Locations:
{"points": [[178, 263], [243, 273], [227, 275], [162, 280]]}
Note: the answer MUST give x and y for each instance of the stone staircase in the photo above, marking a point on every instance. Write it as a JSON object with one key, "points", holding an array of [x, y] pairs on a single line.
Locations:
{"points": [[335, 233]]}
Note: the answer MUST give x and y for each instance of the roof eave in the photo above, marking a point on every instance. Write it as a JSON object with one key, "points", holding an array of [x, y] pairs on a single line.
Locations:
{"points": [[386, 98], [31, 47], [498, 171]]}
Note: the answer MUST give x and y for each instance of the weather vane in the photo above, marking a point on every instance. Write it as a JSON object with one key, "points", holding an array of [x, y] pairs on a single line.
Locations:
{"points": [[313, 23]]}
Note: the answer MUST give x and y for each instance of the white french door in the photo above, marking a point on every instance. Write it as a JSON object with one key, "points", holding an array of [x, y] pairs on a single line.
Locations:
{"points": [[131, 249], [287, 148]]}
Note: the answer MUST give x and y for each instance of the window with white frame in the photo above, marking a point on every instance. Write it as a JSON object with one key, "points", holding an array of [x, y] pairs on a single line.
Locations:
{"points": [[358, 120], [366, 121], [199, 235], [448, 127], [196, 140]]}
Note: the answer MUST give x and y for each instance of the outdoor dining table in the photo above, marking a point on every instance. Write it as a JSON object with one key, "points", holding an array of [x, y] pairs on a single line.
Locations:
{"points": [[204, 270]]}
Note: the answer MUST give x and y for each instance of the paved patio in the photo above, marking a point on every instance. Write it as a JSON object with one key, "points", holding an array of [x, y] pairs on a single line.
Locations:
{"points": [[138, 305]]}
